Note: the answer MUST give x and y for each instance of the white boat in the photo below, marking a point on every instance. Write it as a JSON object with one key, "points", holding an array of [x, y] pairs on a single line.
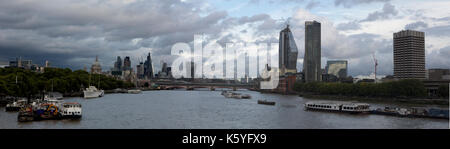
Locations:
{"points": [[71, 110], [136, 91], [53, 96], [93, 92], [16, 105], [340, 107]]}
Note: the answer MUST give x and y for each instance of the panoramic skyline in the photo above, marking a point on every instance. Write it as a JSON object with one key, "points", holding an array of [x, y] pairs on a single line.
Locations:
{"points": [[71, 33]]}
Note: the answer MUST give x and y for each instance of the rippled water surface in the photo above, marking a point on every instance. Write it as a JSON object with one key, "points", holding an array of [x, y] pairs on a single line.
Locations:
{"points": [[208, 109]]}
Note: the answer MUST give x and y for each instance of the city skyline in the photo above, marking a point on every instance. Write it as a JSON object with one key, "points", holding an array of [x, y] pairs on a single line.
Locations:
{"points": [[351, 29]]}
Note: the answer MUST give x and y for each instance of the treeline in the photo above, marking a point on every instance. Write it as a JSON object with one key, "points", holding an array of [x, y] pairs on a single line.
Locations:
{"points": [[401, 88], [26, 83]]}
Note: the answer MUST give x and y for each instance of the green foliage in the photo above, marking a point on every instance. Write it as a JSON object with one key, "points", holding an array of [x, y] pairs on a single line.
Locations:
{"points": [[30, 83], [402, 88]]}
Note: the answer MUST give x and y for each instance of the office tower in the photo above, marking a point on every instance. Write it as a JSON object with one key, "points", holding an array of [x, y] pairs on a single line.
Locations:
{"points": [[409, 55], [148, 67], [140, 70], [337, 68], [288, 52], [311, 62], [118, 64], [126, 63]]}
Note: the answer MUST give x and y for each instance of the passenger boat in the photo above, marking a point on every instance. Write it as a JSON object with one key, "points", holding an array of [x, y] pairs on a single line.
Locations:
{"points": [[266, 102], [16, 105], [93, 92], [339, 107], [71, 110], [46, 111]]}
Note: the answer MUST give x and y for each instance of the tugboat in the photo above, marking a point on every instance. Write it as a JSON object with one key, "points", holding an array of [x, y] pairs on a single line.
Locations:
{"points": [[339, 107]]}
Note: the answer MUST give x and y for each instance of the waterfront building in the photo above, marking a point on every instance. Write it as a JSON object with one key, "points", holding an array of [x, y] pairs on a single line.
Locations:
{"points": [[311, 61], [96, 67], [337, 68], [409, 54], [438, 74], [288, 52]]}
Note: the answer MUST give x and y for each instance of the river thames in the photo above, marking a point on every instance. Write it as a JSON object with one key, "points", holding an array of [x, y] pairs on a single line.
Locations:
{"points": [[204, 109]]}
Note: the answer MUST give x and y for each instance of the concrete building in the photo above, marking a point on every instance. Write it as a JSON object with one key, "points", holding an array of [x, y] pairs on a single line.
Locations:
{"points": [[438, 74], [337, 68], [409, 55], [311, 61], [288, 52], [96, 68]]}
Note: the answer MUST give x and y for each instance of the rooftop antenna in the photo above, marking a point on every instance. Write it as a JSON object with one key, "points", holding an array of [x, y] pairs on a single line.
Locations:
{"points": [[376, 64]]}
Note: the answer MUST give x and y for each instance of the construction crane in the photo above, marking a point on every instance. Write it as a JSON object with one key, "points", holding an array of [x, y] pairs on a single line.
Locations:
{"points": [[376, 64]]}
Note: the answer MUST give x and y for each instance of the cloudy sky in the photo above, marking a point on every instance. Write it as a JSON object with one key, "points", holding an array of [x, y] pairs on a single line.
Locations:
{"points": [[70, 33]]}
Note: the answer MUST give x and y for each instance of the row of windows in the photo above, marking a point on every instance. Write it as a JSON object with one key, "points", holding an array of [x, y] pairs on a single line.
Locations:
{"points": [[320, 106]]}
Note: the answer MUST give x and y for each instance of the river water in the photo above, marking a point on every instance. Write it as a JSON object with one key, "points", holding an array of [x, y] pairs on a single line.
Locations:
{"points": [[181, 109]]}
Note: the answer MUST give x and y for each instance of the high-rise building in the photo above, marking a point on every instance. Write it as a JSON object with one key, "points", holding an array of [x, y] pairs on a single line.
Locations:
{"points": [[311, 62], [126, 63], [409, 55], [118, 64], [288, 52], [148, 67], [96, 68], [337, 68], [140, 70]]}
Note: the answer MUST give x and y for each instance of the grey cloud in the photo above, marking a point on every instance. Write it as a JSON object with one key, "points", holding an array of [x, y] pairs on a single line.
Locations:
{"points": [[416, 25], [350, 3], [353, 25], [387, 11], [312, 4]]}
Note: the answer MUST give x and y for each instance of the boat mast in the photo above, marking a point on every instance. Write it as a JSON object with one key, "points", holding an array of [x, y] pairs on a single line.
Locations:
{"points": [[89, 79]]}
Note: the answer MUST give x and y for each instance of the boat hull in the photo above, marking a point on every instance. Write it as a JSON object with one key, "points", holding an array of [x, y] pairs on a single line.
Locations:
{"points": [[93, 94]]}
